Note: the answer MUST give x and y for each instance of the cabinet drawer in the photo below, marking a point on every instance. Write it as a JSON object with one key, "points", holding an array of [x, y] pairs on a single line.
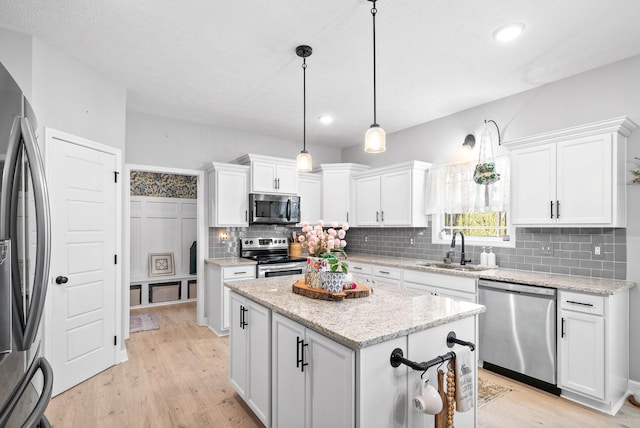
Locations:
{"points": [[585, 303], [386, 272], [451, 282], [239, 272], [359, 268]]}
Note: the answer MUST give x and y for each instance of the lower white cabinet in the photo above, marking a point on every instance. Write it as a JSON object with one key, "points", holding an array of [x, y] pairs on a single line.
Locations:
{"points": [[452, 286], [361, 272], [313, 378], [383, 275], [250, 350], [218, 294], [593, 348]]}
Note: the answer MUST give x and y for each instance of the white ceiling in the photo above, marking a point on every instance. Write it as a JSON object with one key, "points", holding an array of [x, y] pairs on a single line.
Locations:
{"points": [[233, 63]]}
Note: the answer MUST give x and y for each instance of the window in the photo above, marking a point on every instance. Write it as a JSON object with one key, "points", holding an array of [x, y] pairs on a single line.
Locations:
{"points": [[456, 202]]}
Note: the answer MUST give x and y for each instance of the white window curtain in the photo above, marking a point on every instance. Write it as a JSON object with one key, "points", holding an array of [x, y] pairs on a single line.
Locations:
{"points": [[451, 189]]}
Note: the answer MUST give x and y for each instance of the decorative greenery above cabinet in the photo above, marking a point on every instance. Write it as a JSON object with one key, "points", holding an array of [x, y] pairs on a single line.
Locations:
{"points": [[571, 177]]}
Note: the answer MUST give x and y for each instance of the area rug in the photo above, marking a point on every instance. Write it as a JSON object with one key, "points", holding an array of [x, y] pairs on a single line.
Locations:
{"points": [[142, 322], [489, 391]]}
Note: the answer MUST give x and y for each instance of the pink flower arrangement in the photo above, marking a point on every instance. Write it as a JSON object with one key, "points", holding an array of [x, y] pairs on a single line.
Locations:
{"points": [[319, 241]]}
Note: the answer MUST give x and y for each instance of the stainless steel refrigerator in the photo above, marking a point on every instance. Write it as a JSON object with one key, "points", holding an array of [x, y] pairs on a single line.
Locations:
{"points": [[26, 378]]}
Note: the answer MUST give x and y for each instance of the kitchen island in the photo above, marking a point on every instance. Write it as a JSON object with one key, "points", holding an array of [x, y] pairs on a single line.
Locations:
{"points": [[299, 362]]}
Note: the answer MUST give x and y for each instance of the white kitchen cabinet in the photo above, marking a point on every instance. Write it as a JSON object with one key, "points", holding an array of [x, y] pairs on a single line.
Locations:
{"points": [[337, 190], [572, 177], [383, 275], [228, 195], [250, 350], [270, 174], [391, 196], [452, 286], [310, 192], [593, 348], [313, 378], [361, 272], [218, 295]]}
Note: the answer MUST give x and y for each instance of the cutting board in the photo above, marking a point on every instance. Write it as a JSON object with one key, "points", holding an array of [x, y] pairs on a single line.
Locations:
{"points": [[441, 418]]}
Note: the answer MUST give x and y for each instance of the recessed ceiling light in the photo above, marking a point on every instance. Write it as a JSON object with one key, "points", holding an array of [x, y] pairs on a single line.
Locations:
{"points": [[325, 119], [508, 32]]}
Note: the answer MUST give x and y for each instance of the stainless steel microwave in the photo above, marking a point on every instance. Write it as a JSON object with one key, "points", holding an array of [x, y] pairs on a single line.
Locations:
{"points": [[274, 209]]}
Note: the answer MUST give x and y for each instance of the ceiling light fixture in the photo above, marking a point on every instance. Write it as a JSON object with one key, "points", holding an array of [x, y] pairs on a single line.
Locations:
{"points": [[303, 161], [325, 119], [508, 32], [375, 137]]}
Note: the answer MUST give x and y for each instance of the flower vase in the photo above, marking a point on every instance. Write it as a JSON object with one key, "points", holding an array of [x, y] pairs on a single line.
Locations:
{"points": [[313, 277], [333, 281]]}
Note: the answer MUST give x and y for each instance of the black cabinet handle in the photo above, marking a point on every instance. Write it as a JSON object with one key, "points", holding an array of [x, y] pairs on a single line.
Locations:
{"points": [[303, 363], [377, 217], [298, 349], [551, 202], [243, 322], [580, 303], [62, 280], [246, 215], [557, 209], [382, 216], [562, 328], [240, 273]]}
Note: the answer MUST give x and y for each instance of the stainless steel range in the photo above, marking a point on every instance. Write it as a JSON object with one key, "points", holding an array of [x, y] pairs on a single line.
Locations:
{"points": [[272, 256]]}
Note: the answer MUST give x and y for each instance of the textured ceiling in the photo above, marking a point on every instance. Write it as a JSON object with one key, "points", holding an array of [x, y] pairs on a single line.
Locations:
{"points": [[233, 63]]}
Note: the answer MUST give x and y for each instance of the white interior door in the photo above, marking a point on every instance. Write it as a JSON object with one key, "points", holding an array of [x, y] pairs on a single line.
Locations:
{"points": [[83, 223]]}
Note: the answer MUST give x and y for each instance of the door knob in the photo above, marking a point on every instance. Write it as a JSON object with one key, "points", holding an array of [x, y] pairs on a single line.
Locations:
{"points": [[62, 280]]}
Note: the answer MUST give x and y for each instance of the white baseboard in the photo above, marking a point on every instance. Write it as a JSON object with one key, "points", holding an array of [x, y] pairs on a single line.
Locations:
{"points": [[634, 386]]}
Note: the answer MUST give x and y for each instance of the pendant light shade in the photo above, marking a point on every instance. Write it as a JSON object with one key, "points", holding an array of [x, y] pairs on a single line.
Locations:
{"points": [[375, 137], [303, 161]]}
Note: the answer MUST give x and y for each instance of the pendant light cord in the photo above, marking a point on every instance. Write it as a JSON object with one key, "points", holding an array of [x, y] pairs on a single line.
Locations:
{"points": [[304, 105], [373, 14]]}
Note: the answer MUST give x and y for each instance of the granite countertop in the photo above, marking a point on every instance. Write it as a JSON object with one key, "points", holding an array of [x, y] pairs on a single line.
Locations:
{"points": [[388, 313], [562, 282], [230, 261]]}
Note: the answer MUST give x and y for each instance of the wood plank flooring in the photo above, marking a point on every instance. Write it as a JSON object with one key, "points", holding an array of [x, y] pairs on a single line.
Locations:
{"points": [[177, 376]]}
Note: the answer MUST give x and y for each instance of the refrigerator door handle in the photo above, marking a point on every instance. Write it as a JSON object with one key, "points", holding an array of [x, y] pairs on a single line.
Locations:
{"points": [[37, 414], [26, 328]]}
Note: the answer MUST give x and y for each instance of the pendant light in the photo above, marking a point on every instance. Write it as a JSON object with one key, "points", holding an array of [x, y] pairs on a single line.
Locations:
{"points": [[303, 161], [375, 137]]}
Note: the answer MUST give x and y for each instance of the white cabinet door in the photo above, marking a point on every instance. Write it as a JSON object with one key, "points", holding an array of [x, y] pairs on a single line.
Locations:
{"points": [[330, 383], [287, 375], [263, 177], [238, 345], [232, 198], [582, 350], [287, 178], [258, 397], [584, 180], [367, 191], [336, 190], [225, 308], [395, 198], [310, 192], [533, 185]]}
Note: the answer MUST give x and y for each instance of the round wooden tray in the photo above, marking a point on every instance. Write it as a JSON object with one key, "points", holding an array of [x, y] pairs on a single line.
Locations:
{"points": [[319, 293]]}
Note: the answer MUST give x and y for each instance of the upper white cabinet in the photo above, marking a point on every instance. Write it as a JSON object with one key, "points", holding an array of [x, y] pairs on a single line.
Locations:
{"points": [[228, 195], [310, 192], [337, 190], [571, 177], [391, 196], [270, 174]]}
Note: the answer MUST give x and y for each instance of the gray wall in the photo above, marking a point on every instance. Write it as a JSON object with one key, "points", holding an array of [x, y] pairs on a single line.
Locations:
{"points": [[155, 140], [602, 93]]}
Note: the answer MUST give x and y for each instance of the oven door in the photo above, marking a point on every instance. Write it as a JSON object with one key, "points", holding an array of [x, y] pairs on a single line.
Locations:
{"points": [[281, 269]]}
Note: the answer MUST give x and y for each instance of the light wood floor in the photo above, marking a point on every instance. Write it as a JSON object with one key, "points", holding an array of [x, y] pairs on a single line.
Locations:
{"points": [[177, 376]]}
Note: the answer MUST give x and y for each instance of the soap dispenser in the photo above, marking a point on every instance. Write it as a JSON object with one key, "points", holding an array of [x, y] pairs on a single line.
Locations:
{"points": [[491, 258], [483, 257]]}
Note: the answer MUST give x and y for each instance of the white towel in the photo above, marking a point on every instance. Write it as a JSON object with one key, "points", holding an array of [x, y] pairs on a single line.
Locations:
{"points": [[465, 379]]}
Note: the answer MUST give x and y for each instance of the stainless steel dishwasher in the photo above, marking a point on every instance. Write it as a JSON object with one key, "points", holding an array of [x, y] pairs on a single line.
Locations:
{"points": [[518, 332]]}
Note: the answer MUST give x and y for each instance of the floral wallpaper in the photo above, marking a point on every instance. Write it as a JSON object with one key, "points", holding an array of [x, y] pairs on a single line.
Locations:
{"points": [[162, 185]]}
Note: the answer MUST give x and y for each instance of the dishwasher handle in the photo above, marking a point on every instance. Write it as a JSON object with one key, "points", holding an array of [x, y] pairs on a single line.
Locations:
{"points": [[510, 287]]}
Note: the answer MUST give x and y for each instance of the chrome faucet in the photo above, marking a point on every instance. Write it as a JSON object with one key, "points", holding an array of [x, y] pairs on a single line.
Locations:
{"points": [[463, 261]]}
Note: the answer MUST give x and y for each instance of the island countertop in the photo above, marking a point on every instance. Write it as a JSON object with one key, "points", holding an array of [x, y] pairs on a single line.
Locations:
{"points": [[389, 312]]}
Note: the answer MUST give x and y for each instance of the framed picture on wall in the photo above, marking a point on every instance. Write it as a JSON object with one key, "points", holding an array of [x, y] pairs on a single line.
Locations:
{"points": [[161, 264]]}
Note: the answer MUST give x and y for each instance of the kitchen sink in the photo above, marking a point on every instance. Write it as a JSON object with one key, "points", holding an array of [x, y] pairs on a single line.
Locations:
{"points": [[454, 266]]}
